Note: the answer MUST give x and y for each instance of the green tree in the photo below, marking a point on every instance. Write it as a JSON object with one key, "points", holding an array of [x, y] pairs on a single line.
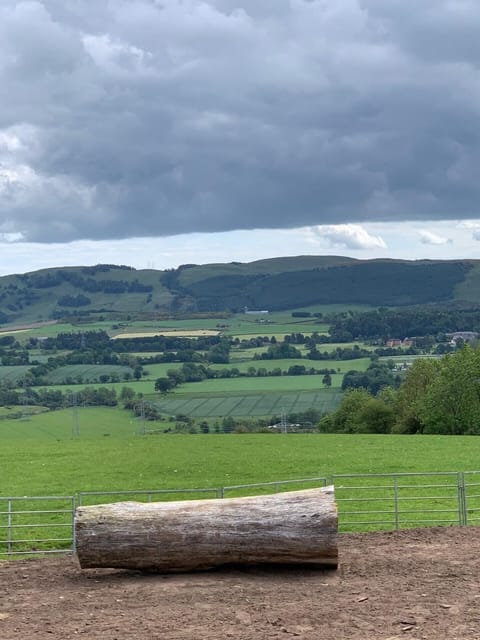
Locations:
{"points": [[451, 404], [411, 395], [163, 385], [127, 397], [228, 424], [346, 418], [375, 417]]}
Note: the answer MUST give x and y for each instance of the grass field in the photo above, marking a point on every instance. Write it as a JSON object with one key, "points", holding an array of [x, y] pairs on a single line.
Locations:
{"points": [[339, 365], [252, 404], [13, 374], [171, 333], [266, 384], [40, 457], [86, 372]]}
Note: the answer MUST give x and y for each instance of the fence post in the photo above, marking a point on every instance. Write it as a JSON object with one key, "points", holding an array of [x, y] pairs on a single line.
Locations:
{"points": [[462, 500], [9, 526], [395, 489], [74, 537]]}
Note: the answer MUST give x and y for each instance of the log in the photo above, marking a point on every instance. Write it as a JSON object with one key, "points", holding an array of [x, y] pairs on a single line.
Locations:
{"points": [[295, 527]]}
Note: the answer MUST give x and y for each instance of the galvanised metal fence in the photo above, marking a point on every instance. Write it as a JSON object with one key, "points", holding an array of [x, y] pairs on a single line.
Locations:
{"points": [[85, 498], [366, 502], [276, 486], [400, 500], [40, 524]]}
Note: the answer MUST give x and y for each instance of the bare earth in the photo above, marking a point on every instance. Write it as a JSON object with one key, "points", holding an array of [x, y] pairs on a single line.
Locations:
{"points": [[410, 584]]}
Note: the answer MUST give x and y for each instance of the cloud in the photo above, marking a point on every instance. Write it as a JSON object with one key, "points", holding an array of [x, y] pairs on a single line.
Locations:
{"points": [[428, 237], [349, 236], [473, 225], [148, 117]]}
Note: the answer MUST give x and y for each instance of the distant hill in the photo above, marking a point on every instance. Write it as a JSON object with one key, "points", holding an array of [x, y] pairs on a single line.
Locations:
{"points": [[274, 284]]}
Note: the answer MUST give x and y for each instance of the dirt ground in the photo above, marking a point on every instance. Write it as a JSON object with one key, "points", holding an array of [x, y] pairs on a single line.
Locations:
{"points": [[409, 584]]}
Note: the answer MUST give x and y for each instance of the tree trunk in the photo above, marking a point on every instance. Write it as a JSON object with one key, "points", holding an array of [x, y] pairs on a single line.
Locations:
{"points": [[295, 527]]}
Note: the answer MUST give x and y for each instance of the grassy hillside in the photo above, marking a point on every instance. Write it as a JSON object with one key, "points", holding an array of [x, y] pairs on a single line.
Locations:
{"points": [[74, 291], [120, 292]]}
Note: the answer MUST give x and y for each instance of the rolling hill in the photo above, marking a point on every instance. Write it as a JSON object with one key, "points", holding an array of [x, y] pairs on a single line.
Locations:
{"points": [[273, 284]]}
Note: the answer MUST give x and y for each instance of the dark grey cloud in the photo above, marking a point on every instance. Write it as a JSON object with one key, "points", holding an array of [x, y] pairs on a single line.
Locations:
{"points": [[157, 117]]}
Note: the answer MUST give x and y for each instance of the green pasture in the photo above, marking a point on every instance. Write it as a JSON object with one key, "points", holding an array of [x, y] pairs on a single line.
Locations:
{"points": [[335, 308], [332, 346], [253, 404], [238, 354], [258, 384], [86, 372], [242, 360], [139, 386], [239, 324], [245, 355], [172, 324], [340, 366], [408, 358], [40, 456], [279, 331], [51, 330], [94, 423], [12, 373], [160, 369]]}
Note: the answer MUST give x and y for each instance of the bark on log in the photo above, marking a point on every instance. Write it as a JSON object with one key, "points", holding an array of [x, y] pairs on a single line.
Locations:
{"points": [[295, 527]]}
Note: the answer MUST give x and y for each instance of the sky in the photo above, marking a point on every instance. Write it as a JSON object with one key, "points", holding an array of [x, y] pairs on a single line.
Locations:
{"points": [[155, 133]]}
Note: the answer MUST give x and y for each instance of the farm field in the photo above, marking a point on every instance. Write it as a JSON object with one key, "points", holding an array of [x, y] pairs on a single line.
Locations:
{"points": [[408, 358], [259, 384], [40, 457], [52, 329], [284, 364], [247, 404], [158, 370], [87, 372], [238, 324], [139, 386], [12, 373], [175, 333]]}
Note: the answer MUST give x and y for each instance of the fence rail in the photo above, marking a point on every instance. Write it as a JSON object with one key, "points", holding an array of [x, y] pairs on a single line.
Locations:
{"points": [[366, 502], [39, 524]]}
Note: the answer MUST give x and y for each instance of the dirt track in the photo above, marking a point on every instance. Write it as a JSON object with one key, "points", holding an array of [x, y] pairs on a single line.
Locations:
{"points": [[417, 584]]}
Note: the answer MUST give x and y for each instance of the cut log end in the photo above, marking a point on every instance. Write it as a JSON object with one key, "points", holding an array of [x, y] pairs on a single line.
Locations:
{"points": [[294, 528]]}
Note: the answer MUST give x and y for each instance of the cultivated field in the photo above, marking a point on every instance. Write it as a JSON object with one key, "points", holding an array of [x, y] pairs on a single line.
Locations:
{"points": [[211, 405], [12, 373], [86, 372], [176, 333]]}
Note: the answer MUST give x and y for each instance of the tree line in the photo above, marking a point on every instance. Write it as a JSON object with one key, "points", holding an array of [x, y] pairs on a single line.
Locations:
{"points": [[437, 396], [191, 372], [382, 323]]}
